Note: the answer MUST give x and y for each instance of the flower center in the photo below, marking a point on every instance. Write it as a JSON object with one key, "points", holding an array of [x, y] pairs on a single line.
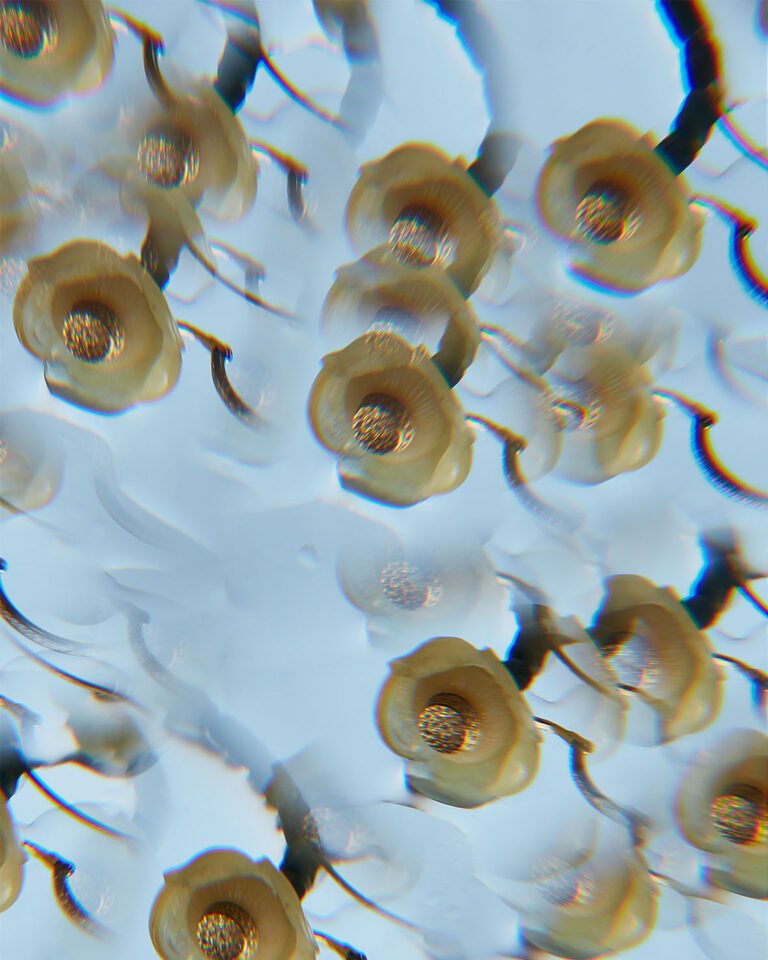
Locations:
{"points": [[607, 214], [93, 332], [168, 156], [581, 325], [408, 587], [227, 932], [740, 814], [633, 659], [27, 29], [449, 723], [382, 424], [561, 884], [395, 320], [419, 238]]}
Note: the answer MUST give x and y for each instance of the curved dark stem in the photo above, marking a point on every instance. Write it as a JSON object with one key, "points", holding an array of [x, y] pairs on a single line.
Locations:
{"points": [[702, 420], [527, 655], [757, 678], [18, 622], [296, 95], [13, 764], [220, 353], [344, 950], [152, 47], [635, 823], [73, 812], [703, 106], [239, 62], [61, 871], [742, 229], [751, 597], [296, 178], [714, 586], [303, 855]]}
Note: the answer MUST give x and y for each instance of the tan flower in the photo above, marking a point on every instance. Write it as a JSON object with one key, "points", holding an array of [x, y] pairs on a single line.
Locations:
{"points": [[53, 48], [427, 210], [386, 409], [195, 148], [722, 808], [613, 423], [652, 645], [224, 906], [379, 293], [455, 714], [16, 210], [30, 472], [623, 211], [586, 907], [11, 858], [100, 324]]}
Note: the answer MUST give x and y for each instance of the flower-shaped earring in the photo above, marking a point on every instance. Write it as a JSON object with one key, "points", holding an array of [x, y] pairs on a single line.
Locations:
{"points": [[455, 714], [623, 212], [425, 209], [223, 905], [11, 858], [722, 808], [53, 48], [656, 651], [385, 408], [101, 326]]}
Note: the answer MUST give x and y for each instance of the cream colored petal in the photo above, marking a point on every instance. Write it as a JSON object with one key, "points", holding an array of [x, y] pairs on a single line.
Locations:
{"points": [[30, 472], [12, 859]]}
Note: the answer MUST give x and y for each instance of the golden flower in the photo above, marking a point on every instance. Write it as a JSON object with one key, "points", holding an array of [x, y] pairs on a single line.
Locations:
{"points": [[426, 306], [455, 714], [52, 48], [613, 423], [224, 906], [623, 211], [11, 858], [30, 473], [589, 906], [426, 209], [100, 324], [386, 409], [722, 808], [193, 147], [651, 643]]}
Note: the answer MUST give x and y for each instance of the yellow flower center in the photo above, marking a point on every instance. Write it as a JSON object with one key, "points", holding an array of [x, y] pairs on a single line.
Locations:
{"points": [[740, 814], [227, 932], [93, 332], [27, 29], [419, 238], [607, 214], [168, 156], [408, 587], [449, 723], [562, 884], [633, 659], [382, 424]]}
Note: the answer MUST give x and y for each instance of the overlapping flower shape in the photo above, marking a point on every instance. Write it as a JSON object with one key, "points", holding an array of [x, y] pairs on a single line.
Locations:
{"points": [[53, 48], [425, 209], [455, 714], [385, 408], [722, 808], [654, 648], [11, 858], [624, 214], [223, 904], [101, 326]]}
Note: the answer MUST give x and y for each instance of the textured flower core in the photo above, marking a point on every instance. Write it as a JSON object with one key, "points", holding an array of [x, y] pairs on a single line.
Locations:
{"points": [[168, 156], [408, 587], [449, 723], [562, 885], [27, 29], [634, 660], [419, 238], [226, 932], [93, 332], [382, 424], [607, 214], [740, 814]]}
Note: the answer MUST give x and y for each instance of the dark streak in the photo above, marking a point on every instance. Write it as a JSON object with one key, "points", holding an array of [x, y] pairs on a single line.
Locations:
{"points": [[18, 622], [61, 871]]}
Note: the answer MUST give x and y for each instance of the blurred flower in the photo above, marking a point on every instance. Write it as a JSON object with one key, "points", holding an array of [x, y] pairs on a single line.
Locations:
{"points": [[623, 211], [193, 147], [654, 647], [585, 907], [16, 210], [722, 808], [385, 408], [222, 905], [108, 738], [30, 473], [427, 210], [379, 293], [612, 422], [100, 324], [11, 858], [455, 714], [51, 49]]}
